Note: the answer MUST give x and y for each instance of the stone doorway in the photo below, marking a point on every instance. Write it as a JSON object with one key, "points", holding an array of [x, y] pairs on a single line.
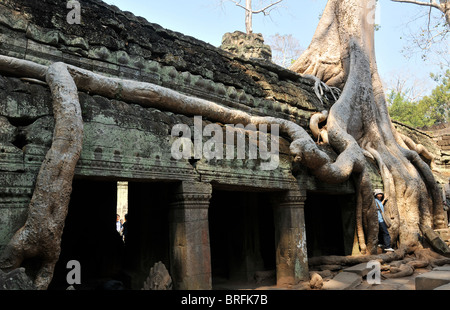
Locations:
{"points": [[148, 239], [242, 239], [90, 236], [330, 224]]}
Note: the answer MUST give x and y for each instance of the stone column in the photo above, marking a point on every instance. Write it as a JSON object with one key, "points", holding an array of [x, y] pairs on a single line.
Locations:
{"points": [[122, 199], [290, 238], [190, 253]]}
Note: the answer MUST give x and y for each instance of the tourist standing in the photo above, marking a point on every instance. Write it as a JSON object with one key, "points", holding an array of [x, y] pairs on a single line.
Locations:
{"points": [[383, 233]]}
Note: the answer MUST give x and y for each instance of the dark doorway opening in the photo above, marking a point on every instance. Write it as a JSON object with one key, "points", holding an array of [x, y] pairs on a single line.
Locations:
{"points": [[242, 239], [91, 238], [148, 238], [330, 224]]}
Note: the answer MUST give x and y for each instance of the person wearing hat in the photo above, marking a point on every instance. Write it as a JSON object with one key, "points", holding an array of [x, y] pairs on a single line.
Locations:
{"points": [[383, 234], [446, 196]]}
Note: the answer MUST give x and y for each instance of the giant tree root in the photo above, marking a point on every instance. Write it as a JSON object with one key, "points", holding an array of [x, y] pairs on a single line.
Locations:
{"points": [[354, 260], [40, 237], [342, 55]]}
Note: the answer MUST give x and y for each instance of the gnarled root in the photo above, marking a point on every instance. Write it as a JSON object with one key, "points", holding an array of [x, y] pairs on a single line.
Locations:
{"points": [[320, 88], [354, 260], [317, 132], [419, 148], [401, 263], [40, 237], [398, 272]]}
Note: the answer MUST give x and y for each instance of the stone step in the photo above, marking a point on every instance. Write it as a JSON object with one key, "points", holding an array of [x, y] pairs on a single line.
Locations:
{"points": [[445, 287], [343, 281], [444, 234], [442, 268], [360, 269], [432, 279]]}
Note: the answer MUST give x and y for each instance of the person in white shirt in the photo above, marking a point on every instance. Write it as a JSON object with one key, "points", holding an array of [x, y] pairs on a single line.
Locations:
{"points": [[118, 224]]}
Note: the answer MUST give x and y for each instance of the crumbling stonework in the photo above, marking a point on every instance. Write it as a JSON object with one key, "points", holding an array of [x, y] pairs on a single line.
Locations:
{"points": [[158, 278], [16, 280], [246, 45], [435, 141], [442, 139]]}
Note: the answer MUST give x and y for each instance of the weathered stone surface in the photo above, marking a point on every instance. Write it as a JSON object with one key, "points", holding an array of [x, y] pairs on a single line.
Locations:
{"points": [[445, 287], [442, 268], [16, 280], [343, 281], [189, 237], [432, 279], [433, 141], [444, 234], [131, 47], [158, 279], [435, 240], [246, 45], [360, 269]]}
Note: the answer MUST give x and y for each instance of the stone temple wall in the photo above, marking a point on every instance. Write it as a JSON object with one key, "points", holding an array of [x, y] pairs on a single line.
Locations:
{"points": [[125, 142], [436, 143], [442, 139]]}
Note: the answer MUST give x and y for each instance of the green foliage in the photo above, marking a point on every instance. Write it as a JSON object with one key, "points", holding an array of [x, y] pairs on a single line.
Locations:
{"points": [[439, 100], [428, 111]]}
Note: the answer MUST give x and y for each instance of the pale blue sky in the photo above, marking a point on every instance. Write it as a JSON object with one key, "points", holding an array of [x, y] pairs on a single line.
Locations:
{"points": [[207, 20]]}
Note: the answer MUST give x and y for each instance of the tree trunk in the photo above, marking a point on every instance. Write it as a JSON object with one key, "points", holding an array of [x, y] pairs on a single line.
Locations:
{"points": [[248, 17], [342, 55], [446, 6]]}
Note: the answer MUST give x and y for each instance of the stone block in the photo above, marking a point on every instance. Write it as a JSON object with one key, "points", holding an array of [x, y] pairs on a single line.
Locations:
{"points": [[445, 287], [444, 234], [432, 279], [360, 269], [343, 281], [435, 240], [442, 268]]}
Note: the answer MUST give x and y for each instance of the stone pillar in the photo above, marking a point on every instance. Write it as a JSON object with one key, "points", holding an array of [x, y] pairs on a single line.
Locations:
{"points": [[122, 199], [290, 238], [190, 253]]}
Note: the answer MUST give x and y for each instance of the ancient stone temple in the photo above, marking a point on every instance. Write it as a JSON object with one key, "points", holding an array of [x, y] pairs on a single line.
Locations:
{"points": [[209, 221]]}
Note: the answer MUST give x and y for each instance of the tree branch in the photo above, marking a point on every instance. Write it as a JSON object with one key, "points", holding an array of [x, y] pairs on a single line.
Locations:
{"points": [[431, 3], [267, 7], [238, 3]]}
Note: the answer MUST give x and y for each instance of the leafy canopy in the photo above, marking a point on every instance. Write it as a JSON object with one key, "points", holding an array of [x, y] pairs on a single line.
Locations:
{"points": [[430, 110]]}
